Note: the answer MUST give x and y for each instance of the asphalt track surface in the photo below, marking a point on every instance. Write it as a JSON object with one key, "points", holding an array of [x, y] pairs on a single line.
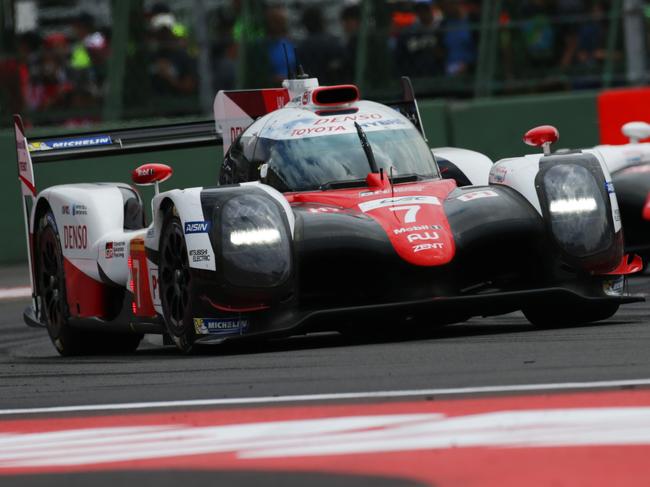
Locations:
{"points": [[494, 351]]}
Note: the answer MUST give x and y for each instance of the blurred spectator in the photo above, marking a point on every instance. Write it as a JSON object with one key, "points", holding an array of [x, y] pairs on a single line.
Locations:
{"points": [[321, 54], [162, 16], [279, 48], [88, 54], [224, 52], [459, 41], [592, 36], [568, 11], [538, 32], [50, 80], [351, 24], [419, 50], [29, 45], [172, 69]]}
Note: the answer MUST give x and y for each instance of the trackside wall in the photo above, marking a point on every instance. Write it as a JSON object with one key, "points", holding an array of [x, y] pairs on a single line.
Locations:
{"points": [[492, 126]]}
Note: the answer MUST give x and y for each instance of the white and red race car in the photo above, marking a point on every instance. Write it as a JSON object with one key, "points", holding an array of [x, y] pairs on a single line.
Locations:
{"points": [[629, 165], [330, 213]]}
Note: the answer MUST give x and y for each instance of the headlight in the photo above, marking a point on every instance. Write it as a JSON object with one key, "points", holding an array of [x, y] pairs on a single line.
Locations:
{"points": [[577, 209], [573, 205], [255, 242], [259, 236]]}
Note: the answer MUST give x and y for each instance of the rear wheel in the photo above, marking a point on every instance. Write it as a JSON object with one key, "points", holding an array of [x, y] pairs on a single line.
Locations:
{"points": [[50, 287], [174, 283], [548, 317]]}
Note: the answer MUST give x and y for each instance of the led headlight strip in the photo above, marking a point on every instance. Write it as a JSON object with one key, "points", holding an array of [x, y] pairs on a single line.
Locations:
{"points": [[573, 205], [255, 237]]}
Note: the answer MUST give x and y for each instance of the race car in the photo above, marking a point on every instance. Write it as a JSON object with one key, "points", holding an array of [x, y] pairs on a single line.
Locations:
{"points": [[629, 165], [330, 213]]}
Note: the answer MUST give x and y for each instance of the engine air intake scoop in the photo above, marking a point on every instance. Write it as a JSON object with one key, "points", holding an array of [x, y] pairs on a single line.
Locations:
{"points": [[542, 136], [335, 95]]}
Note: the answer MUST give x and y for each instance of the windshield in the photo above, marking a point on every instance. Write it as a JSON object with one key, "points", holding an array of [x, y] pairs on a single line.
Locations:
{"points": [[315, 162]]}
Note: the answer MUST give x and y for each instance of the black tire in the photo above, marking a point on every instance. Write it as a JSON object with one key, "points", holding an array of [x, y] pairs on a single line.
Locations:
{"points": [[50, 286], [550, 317], [174, 272]]}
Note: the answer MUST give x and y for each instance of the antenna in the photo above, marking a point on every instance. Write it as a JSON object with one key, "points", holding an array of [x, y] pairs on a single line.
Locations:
{"points": [[300, 71], [286, 60], [390, 180]]}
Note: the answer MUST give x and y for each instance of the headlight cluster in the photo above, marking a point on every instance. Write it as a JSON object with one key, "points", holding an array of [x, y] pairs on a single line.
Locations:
{"points": [[578, 210], [255, 242]]}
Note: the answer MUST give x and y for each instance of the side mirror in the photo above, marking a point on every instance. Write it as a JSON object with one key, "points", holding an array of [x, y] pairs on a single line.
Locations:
{"points": [[636, 131], [151, 173], [542, 136]]}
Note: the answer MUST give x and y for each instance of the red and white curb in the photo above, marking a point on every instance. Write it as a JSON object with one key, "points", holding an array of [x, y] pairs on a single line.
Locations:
{"points": [[15, 292], [588, 438]]}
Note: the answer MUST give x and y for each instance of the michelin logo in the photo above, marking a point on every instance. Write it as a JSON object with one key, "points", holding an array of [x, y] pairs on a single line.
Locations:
{"points": [[209, 326], [197, 227], [71, 143]]}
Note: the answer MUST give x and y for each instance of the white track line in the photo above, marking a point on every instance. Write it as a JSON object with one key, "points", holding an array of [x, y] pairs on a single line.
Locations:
{"points": [[15, 292], [332, 397]]}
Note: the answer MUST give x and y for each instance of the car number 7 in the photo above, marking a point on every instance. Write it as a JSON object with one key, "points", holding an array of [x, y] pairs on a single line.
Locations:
{"points": [[411, 212]]}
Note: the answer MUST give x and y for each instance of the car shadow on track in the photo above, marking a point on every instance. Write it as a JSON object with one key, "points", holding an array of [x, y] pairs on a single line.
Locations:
{"points": [[334, 339]]}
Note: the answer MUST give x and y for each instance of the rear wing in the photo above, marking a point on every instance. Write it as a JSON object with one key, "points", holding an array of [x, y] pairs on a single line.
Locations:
{"points": [[83, 145]]}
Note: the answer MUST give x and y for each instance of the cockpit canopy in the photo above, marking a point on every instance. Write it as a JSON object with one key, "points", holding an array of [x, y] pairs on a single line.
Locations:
{"points": [[296, 149]]}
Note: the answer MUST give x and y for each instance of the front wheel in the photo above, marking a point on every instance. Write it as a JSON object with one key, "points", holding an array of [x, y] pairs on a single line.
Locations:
{"points": [[174, 283], [545, 316]]}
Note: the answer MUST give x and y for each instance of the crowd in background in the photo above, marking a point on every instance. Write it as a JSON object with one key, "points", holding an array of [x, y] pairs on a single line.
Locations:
{"points": [[423, 38]]}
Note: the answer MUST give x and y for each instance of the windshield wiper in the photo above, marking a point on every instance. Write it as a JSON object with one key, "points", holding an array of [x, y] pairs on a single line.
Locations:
{"points": [[344, 183], [366, 148]]}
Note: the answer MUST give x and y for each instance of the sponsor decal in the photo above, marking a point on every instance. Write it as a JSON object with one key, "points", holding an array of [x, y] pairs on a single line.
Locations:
{"points": [[414, 237], [498, 174], [614, 287], [317, 130], [115, 249], [37, 146], [153, 279], [151, 232], [617, 215], [427, 246], [417, 228], [475, 195], [215, 326], [71, 143], [142, 172], [75, 237], [79, 210], [74, 210], [398, 201], [360, 117], [324, 209], [197, 227], [200, 255], [398, 189], [609, 186]]}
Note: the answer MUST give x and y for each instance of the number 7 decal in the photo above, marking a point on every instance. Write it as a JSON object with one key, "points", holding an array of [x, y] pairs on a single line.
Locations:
{"points": [[411, 212]]}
